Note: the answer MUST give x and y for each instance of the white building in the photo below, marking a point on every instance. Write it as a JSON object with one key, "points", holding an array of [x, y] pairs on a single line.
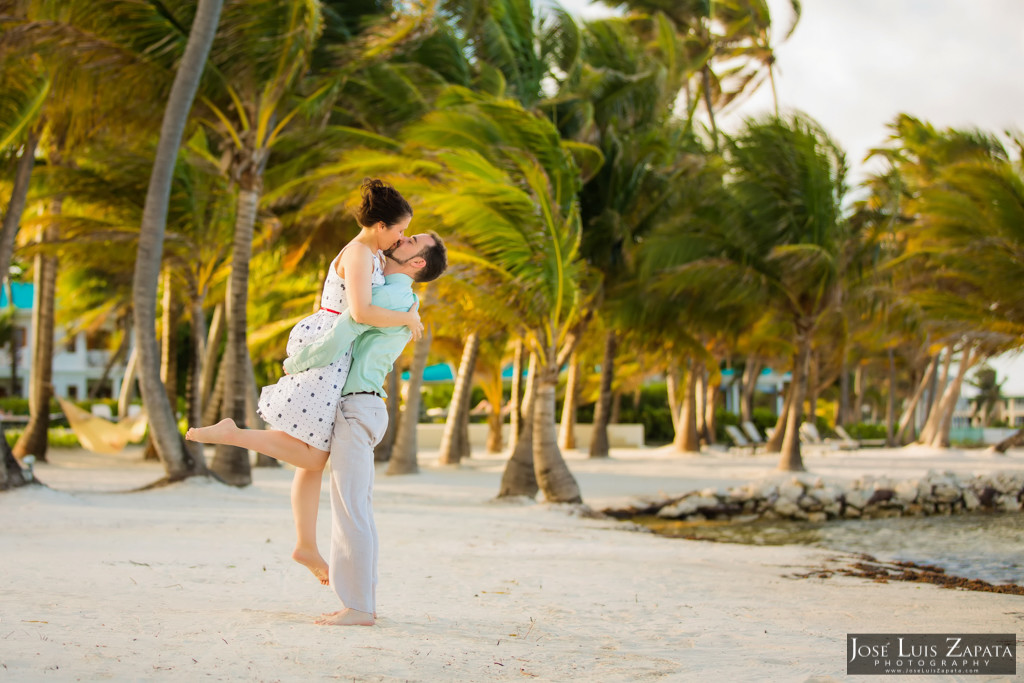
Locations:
{"points": [[78, 361]]}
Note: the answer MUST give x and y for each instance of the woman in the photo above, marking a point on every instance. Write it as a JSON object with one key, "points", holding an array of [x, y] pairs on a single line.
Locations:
{"points": [[300, 408]]}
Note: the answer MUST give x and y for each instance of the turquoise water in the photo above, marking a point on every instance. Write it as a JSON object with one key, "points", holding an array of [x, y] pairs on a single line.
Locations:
{"points": [[989, 547]]}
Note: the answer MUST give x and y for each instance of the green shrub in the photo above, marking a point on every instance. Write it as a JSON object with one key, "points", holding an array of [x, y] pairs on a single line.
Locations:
{"points": [[56, 437], [866, 430], [764, 419]]}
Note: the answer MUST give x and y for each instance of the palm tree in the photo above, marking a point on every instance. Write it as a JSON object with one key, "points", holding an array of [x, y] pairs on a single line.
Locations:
{"points": [[725, 46], [403, 454], [790, 184], [515, 208], [178, 461]]}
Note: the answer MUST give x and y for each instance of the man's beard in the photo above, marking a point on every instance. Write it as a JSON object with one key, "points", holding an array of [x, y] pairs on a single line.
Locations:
{"points": [[389, 254]]}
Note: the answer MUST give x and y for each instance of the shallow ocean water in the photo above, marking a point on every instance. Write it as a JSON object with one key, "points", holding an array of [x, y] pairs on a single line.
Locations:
{"points": [[989, 547]]}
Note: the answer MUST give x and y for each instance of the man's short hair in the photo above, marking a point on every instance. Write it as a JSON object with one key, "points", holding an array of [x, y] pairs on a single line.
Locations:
{"points": [[436, 256]]}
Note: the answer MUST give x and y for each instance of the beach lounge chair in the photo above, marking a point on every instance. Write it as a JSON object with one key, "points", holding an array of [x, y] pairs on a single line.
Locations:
{"points": [[858, 443], [750, 430], [738, 440], [809, 433]]}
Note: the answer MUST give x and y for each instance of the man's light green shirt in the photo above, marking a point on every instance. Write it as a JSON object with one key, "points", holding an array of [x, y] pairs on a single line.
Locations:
{"points": [[376, 348]]}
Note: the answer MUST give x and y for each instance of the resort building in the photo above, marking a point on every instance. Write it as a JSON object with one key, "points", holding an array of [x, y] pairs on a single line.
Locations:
{"points": [[79, 360]]}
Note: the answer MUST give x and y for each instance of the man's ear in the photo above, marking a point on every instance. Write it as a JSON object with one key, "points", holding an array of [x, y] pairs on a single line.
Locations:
{"points": [[418, 262]]}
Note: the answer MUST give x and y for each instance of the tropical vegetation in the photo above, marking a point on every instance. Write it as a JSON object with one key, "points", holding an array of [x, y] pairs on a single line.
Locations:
{"points": [[188, 170]]}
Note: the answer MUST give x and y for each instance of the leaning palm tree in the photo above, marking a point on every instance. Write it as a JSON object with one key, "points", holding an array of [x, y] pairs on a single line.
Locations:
{"points": [[178, 461], [789, 186], [510, 191]]}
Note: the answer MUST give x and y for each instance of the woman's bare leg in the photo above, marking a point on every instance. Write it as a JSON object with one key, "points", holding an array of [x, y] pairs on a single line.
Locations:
{"points": [[277, 444], [305, 505]]}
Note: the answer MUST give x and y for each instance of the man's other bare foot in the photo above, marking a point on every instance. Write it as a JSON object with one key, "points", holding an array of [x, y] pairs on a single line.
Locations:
{"points": [[346, 617], [312, 560], [214, 433]]}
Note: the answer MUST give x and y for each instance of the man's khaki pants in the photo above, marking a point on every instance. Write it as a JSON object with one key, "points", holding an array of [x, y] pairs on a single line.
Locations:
{"points": [[359, 425]]}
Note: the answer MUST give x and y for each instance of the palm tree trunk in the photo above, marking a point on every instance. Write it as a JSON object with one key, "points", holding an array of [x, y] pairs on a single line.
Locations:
{"points": [[890, 405], [495, 422], [907, 419], [858, 392], [11, 474], [599, 441], [1010, 442], [519, 477], [939, 382], [931, 423], [672, 386], [210, 353], [252, 418], [127, 393], [616, 408], [169, 347], [178, 462], [553, 475], [452, 447], [16, 207], [382, 451], [686, 431], [948, 404], [197, 332], [168, 359], [515, 408], [774, 443], [231, 463], [748, 384], [710, 402], [34, 439], [699, 398], [791, 459], [812, 388], [567, 429], [212, 409], [844, 390], [403, 457]]}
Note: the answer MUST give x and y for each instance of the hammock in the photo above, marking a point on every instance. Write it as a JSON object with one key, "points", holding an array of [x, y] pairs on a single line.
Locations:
{"points": [[103, 436]]}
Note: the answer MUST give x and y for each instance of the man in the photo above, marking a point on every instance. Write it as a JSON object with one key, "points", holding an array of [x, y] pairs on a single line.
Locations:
{"points": [[360, 421]]}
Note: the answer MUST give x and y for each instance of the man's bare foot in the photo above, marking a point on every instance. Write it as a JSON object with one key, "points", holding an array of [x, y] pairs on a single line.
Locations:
{"points": [[313, 561], [214, 433], [346, 617]]}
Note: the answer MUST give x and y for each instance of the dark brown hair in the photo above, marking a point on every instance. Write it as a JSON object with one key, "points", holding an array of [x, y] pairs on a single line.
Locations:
{"points": [[436, 256], [381, 202]]}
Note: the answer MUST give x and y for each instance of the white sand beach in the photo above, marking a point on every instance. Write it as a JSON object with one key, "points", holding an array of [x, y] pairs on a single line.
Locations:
{"points": [[194, 581]]}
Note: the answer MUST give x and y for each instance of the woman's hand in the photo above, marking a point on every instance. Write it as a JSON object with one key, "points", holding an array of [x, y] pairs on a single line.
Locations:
{"points": [[414, 324]]}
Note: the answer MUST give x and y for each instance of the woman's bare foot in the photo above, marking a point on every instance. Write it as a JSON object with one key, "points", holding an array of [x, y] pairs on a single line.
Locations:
{"points": [[311, 559], [346, 617], [214, 433]]}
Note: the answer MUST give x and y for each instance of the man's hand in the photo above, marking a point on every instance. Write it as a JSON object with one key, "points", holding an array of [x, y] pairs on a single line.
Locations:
{"points": [[415, 325]]}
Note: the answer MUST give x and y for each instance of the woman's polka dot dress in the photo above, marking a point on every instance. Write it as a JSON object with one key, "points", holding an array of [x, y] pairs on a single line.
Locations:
{"points": [[303, 404]]}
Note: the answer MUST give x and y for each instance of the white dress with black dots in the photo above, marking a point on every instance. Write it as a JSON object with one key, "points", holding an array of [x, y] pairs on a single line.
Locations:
{"points": [[303, 404]]}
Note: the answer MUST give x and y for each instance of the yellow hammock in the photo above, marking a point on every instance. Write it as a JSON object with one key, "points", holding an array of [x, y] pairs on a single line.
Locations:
{"points": [[103, 436]]}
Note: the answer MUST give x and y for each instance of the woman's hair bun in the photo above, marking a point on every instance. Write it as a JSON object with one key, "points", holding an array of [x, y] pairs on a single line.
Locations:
{"points": [[381, 202]]}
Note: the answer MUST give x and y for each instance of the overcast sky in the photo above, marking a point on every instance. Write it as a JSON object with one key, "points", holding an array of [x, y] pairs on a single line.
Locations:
{"points": [[853, 65]]}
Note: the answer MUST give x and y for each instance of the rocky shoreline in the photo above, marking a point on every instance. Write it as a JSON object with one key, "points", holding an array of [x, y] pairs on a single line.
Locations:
{"points": [[806, 497]]}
